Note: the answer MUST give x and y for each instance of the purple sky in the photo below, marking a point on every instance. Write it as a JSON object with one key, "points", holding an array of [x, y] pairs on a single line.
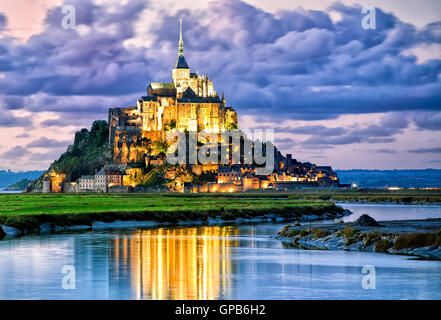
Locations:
{"points": [[334, 93]]}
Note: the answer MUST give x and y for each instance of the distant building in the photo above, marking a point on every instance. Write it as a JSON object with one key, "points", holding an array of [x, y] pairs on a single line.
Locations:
{"points": [[86, 183], [101, 181]]}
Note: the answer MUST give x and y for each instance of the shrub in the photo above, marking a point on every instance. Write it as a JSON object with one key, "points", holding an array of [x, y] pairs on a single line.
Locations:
{"points": [[416, 240], [383, 246], [294, 233], [304, 233], [350, 240], [285, 230], [348, 232], [372, 238], [319, 233]]}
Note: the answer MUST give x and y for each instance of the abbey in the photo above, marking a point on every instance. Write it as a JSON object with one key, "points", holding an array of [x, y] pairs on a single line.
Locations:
{"points": [[145, 140], [188, 103]]}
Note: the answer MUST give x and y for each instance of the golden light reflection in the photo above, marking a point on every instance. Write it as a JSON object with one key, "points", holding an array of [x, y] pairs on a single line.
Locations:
{"points": [[184, 263]]}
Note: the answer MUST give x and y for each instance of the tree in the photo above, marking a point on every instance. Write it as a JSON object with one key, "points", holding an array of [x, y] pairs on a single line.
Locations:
{"points": [[88, 154], [160, 148], [231, 126], [170, 125], [144, 146]]}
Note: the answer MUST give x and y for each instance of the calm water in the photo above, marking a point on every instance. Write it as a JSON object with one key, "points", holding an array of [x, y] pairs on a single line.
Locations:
{"points": [[217, 262], [6, 191], [385, 212]]}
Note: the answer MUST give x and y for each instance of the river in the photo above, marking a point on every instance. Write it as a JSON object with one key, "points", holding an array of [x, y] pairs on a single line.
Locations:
{"points": [[209, 262]]}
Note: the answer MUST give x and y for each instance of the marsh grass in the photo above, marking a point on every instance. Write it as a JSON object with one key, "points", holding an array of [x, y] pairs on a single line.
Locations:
{"points": [[28, 211], [319, 233], [417, 240], [383, 246], [371, 195]]}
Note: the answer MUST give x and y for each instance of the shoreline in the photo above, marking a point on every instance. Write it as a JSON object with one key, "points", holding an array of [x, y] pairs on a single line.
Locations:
{"points": [[48, 224], [418, 238]]}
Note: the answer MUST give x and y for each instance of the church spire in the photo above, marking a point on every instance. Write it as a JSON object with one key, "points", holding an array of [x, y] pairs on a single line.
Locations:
{"points": [[181, 42], [180, 62]]}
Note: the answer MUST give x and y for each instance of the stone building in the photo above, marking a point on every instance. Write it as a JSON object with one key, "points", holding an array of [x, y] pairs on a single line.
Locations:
{"points": [[189, 102], [53, 181], [100, 181], [86, 183]]}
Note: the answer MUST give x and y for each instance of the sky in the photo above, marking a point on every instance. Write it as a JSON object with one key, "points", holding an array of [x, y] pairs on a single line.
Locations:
{"points": [[335, 93]]}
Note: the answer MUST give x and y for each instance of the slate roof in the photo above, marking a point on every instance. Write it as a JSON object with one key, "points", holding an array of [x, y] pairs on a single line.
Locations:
{"points": [[87, 177], [181, 63], [200, 100], [144, 98]]}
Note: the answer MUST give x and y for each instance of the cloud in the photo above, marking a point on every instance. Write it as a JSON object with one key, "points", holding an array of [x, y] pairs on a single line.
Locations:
{"points": [[3, 22], [9, 120], [261, 60], [315, 130], [426, 150], [51, 155], [12, 102], [295, 64], [383, 150], [17, 152], [47, 143], [428, 121], [22, 135]]}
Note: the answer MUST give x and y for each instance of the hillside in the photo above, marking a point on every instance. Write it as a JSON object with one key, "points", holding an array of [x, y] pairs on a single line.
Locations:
{"points": [[88, 153], [18, 186]]}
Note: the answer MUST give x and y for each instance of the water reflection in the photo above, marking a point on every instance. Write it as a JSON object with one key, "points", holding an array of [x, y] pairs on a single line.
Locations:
{"points": [[228, 262], [184, 263]]}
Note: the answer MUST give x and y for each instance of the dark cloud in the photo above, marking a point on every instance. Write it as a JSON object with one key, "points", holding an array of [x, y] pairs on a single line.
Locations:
{"points": [[51, 155], [17, 152], [297, 63], [23, 135], [8, 120], [315, 130], [12, 102], [426, 150], [3, 21], [47, 143], [63, 62], [427, 120]]}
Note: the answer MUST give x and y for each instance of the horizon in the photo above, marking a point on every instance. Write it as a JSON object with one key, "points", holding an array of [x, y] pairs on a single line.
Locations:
{"points": [[336, 95]]}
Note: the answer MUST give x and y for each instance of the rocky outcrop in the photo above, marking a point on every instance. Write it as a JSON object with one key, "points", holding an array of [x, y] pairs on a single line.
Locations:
{"points": [[366, 221], [414, 237]]}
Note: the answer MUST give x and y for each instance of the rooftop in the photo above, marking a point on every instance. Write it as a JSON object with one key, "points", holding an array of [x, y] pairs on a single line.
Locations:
{"points": [[181, 63]]}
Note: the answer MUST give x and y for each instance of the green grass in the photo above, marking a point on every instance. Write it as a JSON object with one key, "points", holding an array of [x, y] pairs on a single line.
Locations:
{"points": [[35, 204], [27, 211]]}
